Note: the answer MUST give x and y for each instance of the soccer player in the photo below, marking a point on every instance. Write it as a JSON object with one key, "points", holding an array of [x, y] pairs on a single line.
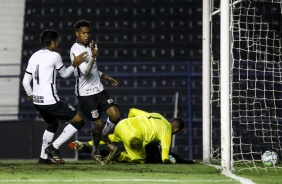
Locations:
{"points": [[153, 151], [137, 131], [42, 69], [92, 97]]}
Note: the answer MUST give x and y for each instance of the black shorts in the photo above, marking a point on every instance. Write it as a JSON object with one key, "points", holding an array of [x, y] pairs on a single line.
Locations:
{"points": [[59, 111], [94, 105]]}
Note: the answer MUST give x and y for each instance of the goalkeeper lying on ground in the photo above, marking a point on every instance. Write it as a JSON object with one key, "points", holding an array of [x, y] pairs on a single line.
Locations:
{"points": [[153, 152]]}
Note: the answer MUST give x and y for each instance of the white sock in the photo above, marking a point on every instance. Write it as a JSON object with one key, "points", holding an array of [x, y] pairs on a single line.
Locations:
{"points": [[46, 139], [67, 133], [108, 127]]}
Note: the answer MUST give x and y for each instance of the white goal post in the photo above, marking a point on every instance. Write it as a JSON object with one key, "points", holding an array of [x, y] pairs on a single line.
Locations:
{"points": [[242, 82]]}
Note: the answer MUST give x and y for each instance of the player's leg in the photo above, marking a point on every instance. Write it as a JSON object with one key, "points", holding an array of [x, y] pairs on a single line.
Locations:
{"points": [[47, 138], [64, 112], [87, 146], [96, 138], [113, 118], [134, 153], [90, 106], [132, 140], [48, 135], [109, 106]]}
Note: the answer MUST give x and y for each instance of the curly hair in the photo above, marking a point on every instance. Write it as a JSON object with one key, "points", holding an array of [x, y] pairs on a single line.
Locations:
{"points": [[81, 23]]}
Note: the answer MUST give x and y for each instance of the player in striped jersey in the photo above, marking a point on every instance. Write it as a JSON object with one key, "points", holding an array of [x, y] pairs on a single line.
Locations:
{"points": [[42, 69], [92, 97]]}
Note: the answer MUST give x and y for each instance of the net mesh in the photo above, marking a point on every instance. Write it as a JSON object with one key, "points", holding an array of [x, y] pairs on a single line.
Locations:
{"points": [[255, 76]]}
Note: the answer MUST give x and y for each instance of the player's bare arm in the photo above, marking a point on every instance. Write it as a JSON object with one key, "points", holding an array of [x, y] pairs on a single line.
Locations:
{"points": [[94, 50], [78, 59], [111, 80]]}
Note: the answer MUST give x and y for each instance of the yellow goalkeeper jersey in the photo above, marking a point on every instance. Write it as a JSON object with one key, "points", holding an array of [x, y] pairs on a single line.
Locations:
{"points": [[148, 127]]}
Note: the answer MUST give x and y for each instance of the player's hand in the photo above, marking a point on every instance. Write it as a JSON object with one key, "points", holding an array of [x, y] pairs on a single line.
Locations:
{"points": [[94, 49], [111, 80], [79, 59]]}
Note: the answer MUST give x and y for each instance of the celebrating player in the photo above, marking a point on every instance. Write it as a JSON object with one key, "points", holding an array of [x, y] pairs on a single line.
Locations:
{"points": [[42, 68], [92, 97]]}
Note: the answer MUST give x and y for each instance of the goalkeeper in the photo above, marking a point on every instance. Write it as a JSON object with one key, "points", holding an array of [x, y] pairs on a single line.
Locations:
{"points": [[153, 151], [140, 129]]}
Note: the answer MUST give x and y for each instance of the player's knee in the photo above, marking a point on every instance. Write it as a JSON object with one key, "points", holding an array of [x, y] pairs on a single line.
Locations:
{"points": [[114, 115], [78, 125]]}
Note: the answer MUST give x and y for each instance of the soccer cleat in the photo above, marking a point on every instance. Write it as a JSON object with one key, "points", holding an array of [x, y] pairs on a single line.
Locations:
{"points": [[97, 158], [45, 161], [81, 146], [54, 153], [76, 145], [114, 152]]}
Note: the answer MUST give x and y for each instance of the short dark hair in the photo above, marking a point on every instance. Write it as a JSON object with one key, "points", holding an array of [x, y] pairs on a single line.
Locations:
{"points": [[179, 121], [47, 36], [81, 23]]}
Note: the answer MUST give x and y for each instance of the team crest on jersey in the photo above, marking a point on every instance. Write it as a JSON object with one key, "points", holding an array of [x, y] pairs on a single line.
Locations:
{"points": [[95, 113], [110, 101]]}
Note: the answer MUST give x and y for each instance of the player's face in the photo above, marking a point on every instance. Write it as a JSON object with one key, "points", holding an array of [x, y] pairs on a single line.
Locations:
{"points": [[83, 35]]}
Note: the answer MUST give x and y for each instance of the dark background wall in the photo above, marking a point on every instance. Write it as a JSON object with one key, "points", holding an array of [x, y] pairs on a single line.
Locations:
{"points": [[153, 48], [24, 142]]}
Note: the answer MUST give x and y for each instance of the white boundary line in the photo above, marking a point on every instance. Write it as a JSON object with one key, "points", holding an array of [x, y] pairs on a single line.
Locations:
{"points": [[233, 176], [119, 180]]}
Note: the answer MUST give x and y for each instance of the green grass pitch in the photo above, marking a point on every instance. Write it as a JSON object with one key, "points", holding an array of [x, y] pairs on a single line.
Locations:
{"points": [[25, 172]]}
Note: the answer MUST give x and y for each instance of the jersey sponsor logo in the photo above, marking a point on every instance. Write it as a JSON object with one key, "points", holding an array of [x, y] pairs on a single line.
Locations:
{"points": [[38, 99], [110, 101], [71, 107], [95, 114]]}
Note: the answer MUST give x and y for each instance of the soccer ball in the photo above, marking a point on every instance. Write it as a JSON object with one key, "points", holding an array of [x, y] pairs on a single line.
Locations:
{"points": [[270, 158], [172, 159]]}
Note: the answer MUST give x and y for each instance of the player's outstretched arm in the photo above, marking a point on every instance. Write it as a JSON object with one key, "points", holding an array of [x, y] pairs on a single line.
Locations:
{"points": [[78, 59], [111, 80], [66, 72]]}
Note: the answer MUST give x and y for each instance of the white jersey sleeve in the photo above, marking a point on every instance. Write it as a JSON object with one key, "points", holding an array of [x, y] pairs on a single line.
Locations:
{"points": [[90, 84], [26, 83], [66, 72]]}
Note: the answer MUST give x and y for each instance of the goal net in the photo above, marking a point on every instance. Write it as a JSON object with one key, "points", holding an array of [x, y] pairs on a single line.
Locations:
{"points": [[255, 81]]}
